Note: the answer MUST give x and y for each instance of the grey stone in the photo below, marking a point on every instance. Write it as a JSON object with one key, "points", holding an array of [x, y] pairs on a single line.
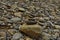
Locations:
{"points": [[17, 36], [15, 19]]}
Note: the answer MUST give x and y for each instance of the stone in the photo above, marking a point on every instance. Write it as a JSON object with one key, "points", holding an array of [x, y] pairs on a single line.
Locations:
{"points": [[12, 31], [18, 14], [17, 36], [31, 30], [15, 19], [58, 38], [16, 26], [57, 26], [27, 38], [2, 35], [21, 39], [31, 21], [14, 6], [1, 22], [56, 30], [46, 36], [21, 9]]}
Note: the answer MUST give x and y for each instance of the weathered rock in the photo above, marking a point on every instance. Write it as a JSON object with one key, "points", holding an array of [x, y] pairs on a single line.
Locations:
{"points": [[31, 30]]}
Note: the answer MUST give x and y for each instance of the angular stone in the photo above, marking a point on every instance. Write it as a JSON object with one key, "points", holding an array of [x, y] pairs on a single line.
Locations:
{"points": [[31, 30]]}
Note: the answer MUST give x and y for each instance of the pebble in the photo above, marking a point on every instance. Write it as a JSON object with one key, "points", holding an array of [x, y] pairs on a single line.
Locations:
{"points": [[58, 38], [18, 14], [16, 26], [27, 38], [36, 19], [57, 26], [2, 35], [14, 6], [12, 31], [1, 22], [31, 21], [15, 19], [17, 36], [21, 9], [21, 39]]}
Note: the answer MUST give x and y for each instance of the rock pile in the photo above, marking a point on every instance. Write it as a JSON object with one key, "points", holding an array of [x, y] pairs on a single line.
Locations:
{"points": [[30, 19]]}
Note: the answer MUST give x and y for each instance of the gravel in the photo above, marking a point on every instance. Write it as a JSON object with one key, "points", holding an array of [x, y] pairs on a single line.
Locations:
{"points": [[14, 14]]}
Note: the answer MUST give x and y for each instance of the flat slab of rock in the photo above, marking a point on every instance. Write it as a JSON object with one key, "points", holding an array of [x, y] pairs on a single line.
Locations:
{"points": [[31, 30]]}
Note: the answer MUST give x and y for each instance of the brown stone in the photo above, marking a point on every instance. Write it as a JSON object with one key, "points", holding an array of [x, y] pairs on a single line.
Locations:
{"points": [[2, 35], [18, 14], [31, 30]]}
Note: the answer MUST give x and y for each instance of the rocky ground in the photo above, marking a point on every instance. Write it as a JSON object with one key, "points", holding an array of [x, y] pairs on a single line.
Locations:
{"points": [[29, 19]]}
